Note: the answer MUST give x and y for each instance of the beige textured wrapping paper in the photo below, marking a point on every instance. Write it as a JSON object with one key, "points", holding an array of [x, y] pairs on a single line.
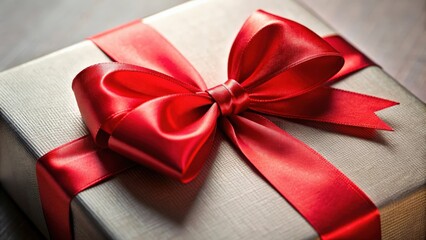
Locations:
{"points": [[228, 200]]}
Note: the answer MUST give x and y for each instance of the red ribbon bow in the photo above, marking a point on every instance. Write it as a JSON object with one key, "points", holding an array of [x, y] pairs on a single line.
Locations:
{"points": [[163, 116]]}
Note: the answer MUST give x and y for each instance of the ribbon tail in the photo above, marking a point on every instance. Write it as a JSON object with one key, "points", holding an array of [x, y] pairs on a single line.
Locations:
{"points": [[330, 105], [68, 170], [334, 206]]}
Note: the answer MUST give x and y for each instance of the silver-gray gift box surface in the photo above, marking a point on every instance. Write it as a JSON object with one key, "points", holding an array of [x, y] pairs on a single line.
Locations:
{"points": [[229, 200]]}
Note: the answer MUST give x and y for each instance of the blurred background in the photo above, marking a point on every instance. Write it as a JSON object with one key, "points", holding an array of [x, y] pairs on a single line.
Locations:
{"points": [[391, 32]]}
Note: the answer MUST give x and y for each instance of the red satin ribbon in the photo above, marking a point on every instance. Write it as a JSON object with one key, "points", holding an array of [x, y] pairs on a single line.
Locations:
{"points": [[163, 116]]}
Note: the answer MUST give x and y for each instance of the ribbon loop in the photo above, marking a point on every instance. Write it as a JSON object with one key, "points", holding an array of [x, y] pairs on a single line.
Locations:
{"points": [[231, 97]]}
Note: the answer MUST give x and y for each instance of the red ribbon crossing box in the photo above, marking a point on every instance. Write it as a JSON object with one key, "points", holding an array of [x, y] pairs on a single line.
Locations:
{"points": [[271, 126]]}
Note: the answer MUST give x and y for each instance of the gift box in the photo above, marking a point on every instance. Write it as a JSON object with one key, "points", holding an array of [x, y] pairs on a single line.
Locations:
{"points": [[229, 199]]}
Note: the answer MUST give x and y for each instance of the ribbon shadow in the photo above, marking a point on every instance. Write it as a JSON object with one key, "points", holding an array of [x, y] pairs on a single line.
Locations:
{"points": [[165, 195]]}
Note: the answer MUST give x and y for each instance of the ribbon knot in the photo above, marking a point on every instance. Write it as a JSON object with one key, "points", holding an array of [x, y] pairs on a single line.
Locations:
{"points": [[230, 96]]}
